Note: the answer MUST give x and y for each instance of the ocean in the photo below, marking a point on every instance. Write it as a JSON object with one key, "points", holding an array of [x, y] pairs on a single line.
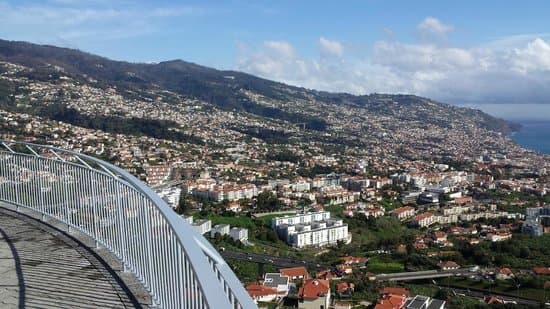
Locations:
{"points": [[534, 135]]}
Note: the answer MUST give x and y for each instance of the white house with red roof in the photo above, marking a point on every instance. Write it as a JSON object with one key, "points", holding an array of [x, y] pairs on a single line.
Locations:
{"points": [[314, 294]]}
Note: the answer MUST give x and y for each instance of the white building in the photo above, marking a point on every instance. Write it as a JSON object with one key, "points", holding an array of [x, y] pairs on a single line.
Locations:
{"points": [[312, 229], [239, 233], [171, 196], [202, 226], [188, 219], [223, 229], [300, 218]]}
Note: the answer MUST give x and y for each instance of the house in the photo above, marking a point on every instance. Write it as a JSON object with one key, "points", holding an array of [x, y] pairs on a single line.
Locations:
{"points": [[349, 260], [390, 301], [345, 288], [328, 274], [345, 269], [493, 300], [277, 281], [295, 273], [504, 274], [499, 236], [403, 213], [448, 265], [314, 294], [262, 293], [396, 291], [425, 302], [542, 271], [423, 220], [234, 207], [440, 237], [392, 298]]}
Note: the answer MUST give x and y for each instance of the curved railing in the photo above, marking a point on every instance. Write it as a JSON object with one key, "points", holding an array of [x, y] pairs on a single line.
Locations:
{"points": [[179, 268]]}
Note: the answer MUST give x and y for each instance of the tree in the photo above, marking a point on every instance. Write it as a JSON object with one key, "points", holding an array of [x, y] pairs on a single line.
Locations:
{"points": [[184, 206], [442, 294], [267, 201]]}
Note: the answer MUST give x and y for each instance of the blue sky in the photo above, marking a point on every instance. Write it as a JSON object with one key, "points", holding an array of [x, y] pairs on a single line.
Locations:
{"points": [[463, 52]]}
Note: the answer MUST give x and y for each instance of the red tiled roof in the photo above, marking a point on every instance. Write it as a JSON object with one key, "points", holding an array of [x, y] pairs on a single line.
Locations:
{"points": [[260, 290], [542, 270], [343, 287], [401, 210], [395, 291], [314, 288], [423, 216], [448, 264], [505, 271], [493, 300], [294, 272], [391, 301]]}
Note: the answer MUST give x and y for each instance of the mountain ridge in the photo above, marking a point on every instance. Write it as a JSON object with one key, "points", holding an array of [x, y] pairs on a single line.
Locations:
{"points": [[218, 87]]}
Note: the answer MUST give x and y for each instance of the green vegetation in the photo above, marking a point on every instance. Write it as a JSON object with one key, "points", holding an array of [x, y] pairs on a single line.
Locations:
{"points": [[249, 271], [390, 204], [386, 232], [531, 288], [384, 264], [283, 155], [522, 251], [267, 202]]}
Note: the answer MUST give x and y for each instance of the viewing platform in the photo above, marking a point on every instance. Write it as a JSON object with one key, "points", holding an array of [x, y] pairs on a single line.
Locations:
{"points": [[44, 267]]}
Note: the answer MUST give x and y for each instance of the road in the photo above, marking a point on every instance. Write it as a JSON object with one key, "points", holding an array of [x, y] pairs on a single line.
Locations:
{"points": [[427, 274], [274, 260]]}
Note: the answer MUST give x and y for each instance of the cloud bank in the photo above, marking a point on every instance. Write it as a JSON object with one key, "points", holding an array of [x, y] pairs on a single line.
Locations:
{"points": [[508, 70]]}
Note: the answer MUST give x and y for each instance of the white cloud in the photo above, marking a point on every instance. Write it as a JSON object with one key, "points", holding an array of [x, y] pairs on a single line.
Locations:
{"points": [[433, 25], [330, 47], [62, 20], [534, 57], [450, 74]]}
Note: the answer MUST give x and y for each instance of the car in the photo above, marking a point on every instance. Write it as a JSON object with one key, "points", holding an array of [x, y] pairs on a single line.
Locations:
{"points": [[250, 258]]}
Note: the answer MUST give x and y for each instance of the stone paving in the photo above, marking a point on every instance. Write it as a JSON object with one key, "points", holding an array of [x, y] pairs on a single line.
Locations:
{"points": [[41, 267]]}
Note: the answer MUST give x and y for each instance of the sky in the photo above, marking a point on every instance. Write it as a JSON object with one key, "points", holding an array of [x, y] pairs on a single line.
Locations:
{"points": [[460, 52]]}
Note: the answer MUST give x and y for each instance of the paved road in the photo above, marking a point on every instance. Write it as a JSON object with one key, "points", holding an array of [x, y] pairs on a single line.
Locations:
{"points": [[428, 274], [42, 268], [266, 259]]}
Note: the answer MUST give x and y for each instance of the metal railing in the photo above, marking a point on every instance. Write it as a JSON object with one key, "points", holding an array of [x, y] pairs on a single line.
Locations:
{"points": [[178, 267]]}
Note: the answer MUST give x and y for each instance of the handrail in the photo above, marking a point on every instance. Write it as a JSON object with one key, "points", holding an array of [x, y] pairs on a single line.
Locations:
{"points": [[177, 265]]}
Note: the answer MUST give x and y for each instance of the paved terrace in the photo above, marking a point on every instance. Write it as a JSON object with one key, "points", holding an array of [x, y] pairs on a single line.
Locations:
{"points": [[43, 267]]}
